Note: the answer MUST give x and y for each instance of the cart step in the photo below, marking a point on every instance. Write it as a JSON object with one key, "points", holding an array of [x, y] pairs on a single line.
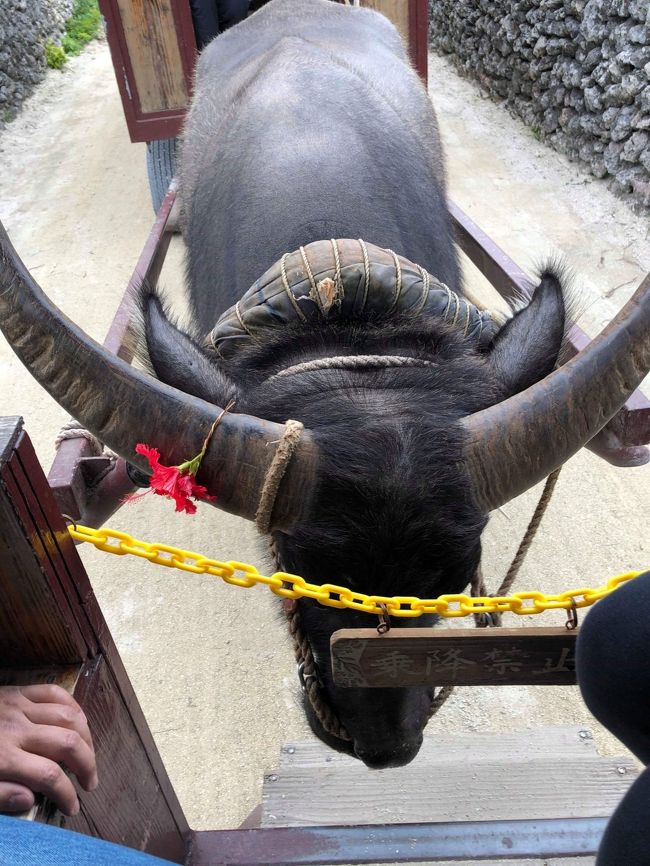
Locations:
{"points": [[531, 774], [511, 746]]}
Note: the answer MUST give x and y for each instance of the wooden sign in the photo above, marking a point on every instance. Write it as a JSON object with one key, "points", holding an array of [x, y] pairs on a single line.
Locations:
{"points": [[403, 657]]}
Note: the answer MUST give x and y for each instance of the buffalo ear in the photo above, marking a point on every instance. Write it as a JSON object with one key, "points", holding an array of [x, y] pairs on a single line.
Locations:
{"points": [[176, 359], [527, 347]]}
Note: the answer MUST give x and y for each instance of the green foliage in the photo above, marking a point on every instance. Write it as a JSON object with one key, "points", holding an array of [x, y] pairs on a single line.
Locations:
{"points": [[7, 115], [81, 26], [55, 56]]}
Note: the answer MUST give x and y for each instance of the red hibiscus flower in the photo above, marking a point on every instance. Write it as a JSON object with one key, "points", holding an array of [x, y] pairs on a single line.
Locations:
{"points": [[176, 482]]}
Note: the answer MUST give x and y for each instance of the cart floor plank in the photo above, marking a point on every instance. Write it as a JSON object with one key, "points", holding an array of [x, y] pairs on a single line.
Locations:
{"points": [[547, 773], [561, 739], [571, 861]]}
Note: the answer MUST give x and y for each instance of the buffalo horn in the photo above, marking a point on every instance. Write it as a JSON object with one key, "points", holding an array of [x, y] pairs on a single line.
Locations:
{"points": [[123, 406], [514, 444]]}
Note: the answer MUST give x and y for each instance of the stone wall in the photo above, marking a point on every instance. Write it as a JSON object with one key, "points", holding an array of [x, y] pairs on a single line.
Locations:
{"points": [[25, 27], [576, 71]]}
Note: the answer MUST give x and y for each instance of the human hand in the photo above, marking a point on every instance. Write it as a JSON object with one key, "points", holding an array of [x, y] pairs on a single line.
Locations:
{"points": [[41, 727]]}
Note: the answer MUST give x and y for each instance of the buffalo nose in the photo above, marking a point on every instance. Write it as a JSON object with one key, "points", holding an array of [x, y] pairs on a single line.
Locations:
{"points": [[383, 759]]}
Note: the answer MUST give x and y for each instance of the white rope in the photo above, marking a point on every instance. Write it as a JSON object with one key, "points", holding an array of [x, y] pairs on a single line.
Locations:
{"points": [[337, 276], [351, 362], [426, 283], [310, 275], [366, 269], [287, 288], [73, 430], [398, 280], [240, 319]]}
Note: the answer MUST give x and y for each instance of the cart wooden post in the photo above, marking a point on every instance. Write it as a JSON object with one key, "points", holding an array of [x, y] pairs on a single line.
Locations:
{"points": [[411, 17], [153, 49], [52, 630]]}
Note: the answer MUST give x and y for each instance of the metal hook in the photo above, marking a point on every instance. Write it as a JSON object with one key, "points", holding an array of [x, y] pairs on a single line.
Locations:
{"points": [[572, 617], [70, 520], [384, 619], [305, 677], [490, 619]]}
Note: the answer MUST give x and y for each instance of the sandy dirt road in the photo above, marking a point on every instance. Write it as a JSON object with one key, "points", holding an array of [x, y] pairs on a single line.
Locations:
{"points": [[211, 664]]}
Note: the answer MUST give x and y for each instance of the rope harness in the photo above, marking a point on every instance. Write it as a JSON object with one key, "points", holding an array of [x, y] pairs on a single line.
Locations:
{"points": [[308, 669], [275, 473], [307, 666], [353, 362], [309, 676], [347, 276]]}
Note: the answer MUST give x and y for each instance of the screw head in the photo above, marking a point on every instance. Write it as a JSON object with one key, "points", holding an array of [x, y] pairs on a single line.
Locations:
{"points": [[621, 771]]}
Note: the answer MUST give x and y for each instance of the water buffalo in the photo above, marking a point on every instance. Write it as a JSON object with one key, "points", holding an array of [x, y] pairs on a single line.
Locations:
{"points": [[420, 414]]}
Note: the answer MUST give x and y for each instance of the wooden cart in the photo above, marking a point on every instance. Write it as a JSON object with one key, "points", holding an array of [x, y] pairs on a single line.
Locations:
{"points": [[51, 626], [52, 629], [154, 50]]}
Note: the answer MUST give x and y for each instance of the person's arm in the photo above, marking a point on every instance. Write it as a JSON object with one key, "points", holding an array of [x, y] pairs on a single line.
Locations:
{"points": [[42, 727]]}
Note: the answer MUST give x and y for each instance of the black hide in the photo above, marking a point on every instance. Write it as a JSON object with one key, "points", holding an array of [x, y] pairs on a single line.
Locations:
{"points": [[308, 124]]}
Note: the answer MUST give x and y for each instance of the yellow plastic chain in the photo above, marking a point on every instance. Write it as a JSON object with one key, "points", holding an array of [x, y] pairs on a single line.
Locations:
{"points": [[292, 586]]}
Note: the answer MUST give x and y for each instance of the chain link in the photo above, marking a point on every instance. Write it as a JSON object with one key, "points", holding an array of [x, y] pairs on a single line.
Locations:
{"points": [[329, 594]]}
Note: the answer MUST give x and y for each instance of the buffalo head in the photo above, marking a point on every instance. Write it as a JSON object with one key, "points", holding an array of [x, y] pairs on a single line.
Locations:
{"points": [[398, 467], [420, 415]]}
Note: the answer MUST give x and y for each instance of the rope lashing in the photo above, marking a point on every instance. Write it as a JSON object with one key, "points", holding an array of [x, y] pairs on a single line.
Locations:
{"points": [[72, 429], [309, 676], [343, 278], [353, 362], [275, 473]]}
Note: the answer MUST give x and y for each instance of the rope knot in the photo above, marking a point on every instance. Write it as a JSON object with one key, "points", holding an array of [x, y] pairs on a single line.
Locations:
{"points": [[275, 473]]}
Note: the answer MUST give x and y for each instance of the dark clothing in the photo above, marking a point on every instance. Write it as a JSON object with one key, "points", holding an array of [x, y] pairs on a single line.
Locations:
{"points": [[212, 17], [625, 841], [613, 667], [613, 664]]}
